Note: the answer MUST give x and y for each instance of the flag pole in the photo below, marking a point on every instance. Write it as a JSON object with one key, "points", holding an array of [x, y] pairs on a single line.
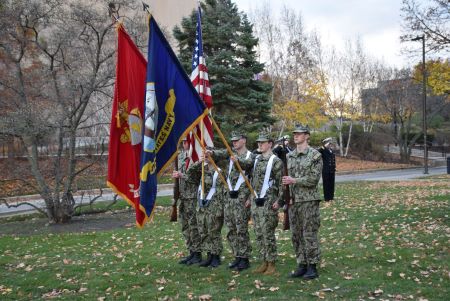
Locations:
{"points": [[202, 143], [230, 152]]}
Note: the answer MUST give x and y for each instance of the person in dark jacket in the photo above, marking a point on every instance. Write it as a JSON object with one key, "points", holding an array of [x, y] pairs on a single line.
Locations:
{"points": [[329, 168]]}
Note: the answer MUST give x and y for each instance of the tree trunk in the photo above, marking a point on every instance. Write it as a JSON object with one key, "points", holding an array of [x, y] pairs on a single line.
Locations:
{"points": [[60, 211], [348, 140]]}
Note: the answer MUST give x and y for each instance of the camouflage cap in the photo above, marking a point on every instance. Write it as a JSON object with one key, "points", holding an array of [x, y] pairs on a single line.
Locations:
{"points": [[327, 140], [300, 128], [236, 135], [263, 137]]}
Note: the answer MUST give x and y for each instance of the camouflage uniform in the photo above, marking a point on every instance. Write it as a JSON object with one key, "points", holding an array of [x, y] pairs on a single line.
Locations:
{"points": [[265, 219], [209, 216], [236, 214], [306, 168], [187, 209]]}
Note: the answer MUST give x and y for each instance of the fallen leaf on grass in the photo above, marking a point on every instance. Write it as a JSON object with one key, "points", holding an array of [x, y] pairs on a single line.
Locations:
{"points": [[231, 284], [5, 290], [161, 281], [391, 260], [258, 284], [376, 293], [205, 298], [320, 295], [52, 294]]}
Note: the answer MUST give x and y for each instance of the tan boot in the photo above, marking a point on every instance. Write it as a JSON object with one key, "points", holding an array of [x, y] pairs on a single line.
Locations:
{"points": [[261, 269], [271, 270]]}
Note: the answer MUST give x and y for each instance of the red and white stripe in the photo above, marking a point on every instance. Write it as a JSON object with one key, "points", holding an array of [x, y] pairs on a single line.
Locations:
{"points": [[200, 81]]}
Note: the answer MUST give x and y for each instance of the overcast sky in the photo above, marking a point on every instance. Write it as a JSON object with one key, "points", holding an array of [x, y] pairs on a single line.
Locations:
{"points": [[376, 22]]}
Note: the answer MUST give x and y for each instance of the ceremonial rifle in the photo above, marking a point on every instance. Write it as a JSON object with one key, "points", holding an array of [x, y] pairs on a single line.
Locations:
{"points": [[176, 195], [286, 192]]}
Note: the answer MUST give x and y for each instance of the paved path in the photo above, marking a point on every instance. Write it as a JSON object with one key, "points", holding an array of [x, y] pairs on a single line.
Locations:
{"points": [[438, 156], [166, 190], [391, 175], [108, 196]]}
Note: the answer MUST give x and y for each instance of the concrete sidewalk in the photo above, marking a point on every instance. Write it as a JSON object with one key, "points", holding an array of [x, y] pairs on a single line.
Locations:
{"points": [[83, 197]]}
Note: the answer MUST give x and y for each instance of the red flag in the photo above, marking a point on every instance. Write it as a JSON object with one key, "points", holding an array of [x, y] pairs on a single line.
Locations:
{"points": [[126, 122], [200, 81]]}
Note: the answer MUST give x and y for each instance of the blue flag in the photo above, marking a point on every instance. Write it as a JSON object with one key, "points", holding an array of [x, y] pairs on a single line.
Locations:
{"points": [[172, 108]]}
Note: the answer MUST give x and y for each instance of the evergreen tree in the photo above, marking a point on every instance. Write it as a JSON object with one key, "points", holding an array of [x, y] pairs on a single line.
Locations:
{"points": [[239, 100]]}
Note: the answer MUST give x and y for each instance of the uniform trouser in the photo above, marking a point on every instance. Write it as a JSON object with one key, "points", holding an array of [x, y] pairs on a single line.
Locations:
{"points": [[265, 221], [328, 186], [189, 226], [236, 219], [305, 222], [210, 222]]}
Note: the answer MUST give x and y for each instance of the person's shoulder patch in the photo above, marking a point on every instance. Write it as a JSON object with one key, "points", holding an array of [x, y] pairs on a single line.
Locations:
{"points": [[316, 155]]}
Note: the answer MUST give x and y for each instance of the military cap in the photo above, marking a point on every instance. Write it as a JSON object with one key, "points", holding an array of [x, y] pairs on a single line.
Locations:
{"points": [[327, 140], [184, 138], [286, 137], [236, 135], [263, 137], [300, 128]]}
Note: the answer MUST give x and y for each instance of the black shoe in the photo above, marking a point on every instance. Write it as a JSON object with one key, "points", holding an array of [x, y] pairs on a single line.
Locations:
{"points": [[215, 262], [186, 259], [234, 263], [207, 261], [299, 272], [311, 272], [197, 258], [243, 264]]}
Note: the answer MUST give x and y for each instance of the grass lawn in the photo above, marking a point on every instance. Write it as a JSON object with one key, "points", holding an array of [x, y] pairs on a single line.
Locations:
{"points": [[380, 241]]}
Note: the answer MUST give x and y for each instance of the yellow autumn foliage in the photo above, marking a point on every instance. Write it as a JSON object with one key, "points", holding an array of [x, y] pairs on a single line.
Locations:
{"points": [[438, 76], [309, 112]]}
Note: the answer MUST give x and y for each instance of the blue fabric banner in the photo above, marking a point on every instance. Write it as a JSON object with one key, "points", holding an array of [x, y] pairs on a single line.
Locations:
{"points": [[172, 108]]}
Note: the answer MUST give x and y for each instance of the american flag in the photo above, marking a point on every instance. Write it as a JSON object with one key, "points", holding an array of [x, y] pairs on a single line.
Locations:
{"points": [[200, 80]]}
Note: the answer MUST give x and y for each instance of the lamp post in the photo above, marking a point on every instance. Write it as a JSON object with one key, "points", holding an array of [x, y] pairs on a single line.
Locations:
{"points": [[424, 104]]}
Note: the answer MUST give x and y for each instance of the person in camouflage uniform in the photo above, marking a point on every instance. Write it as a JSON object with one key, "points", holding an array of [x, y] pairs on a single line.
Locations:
{"points": [[266, 181], [304, 169], [209, 211], [236, 207], [187, 209]]}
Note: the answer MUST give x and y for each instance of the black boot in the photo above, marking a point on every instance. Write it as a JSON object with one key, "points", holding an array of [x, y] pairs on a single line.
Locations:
{"points": [[207, 261], [215, 262], [311, 272], [184, 260], [243, 264], [234, 263], [299, 272], [197, 258]]}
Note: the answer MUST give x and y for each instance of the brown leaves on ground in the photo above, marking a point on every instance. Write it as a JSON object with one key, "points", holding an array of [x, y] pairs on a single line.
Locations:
{"points": [[346, 164]]}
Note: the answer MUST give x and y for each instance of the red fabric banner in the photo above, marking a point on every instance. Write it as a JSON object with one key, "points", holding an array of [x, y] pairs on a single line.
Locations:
{"points": [[126, 123]]}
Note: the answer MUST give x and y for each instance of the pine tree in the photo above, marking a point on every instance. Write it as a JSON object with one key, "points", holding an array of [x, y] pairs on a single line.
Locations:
{"points": [[239, 100]]}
